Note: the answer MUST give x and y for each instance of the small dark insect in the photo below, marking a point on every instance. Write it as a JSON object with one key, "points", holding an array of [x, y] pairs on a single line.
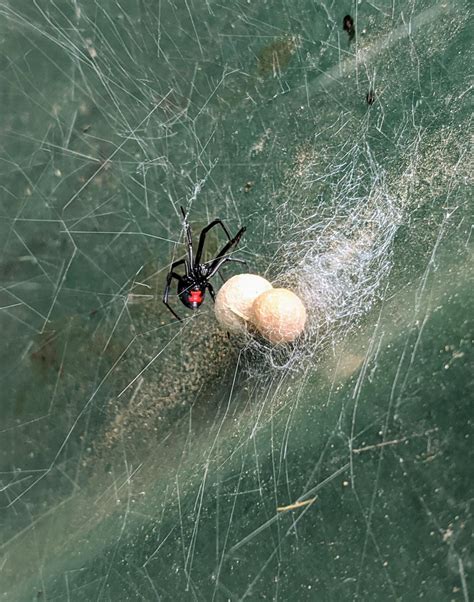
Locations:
{"points": [[193, 284], [248, 186], [370, 97], [348, 25]]}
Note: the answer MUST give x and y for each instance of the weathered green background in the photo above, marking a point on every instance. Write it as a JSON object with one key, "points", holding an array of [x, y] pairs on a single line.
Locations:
{"points": [[113, 114]]}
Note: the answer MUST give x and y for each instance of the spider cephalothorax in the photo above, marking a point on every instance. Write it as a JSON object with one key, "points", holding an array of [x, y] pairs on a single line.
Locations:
{"points": [[193, 284]]}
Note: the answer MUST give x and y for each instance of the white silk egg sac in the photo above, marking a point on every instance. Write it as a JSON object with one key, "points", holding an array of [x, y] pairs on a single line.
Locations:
{"points": [[279, 315], [233, 306]]}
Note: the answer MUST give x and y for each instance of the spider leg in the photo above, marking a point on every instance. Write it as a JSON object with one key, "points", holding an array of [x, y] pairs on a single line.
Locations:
{"points": [[215, 267], [210, 288], [232, 243], [202, 237], [169, 277], [229, 259], [189, 240], [215, 264]]}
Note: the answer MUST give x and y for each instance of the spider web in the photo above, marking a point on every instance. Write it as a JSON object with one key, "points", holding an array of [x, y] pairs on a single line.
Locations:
{"points": [[142, 458]]}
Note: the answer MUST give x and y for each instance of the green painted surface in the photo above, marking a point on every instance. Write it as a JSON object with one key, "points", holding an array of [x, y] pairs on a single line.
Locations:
{"points": [[143, 459]]}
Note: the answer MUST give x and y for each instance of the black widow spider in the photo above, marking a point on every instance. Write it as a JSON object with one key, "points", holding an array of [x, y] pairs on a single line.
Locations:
{"points": [[192, 286]]}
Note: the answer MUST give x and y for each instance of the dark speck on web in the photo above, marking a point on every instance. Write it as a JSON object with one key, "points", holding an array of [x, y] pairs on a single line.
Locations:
{"points": [[348, 25], [248, 186]]}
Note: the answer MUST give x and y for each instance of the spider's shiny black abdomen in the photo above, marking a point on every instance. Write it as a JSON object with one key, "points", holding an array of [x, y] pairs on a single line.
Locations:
{"points": [[189, 293]]}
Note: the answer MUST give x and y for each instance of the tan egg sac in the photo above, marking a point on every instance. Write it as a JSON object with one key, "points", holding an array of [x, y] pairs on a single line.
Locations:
{"points": [[235, 298], [279, 315]]}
